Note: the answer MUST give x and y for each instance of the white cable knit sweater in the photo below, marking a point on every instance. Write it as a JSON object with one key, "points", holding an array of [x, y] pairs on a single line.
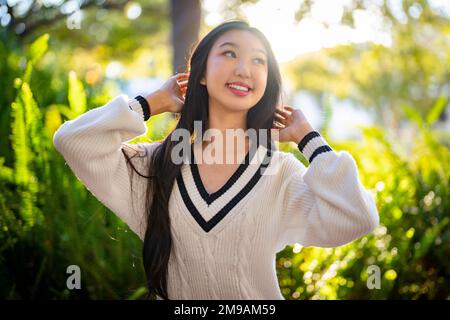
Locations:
{"points": [[225, 243]]}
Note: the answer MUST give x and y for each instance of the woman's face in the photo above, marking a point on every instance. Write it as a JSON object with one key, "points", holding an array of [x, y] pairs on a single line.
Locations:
{"points": [[236, 71]]}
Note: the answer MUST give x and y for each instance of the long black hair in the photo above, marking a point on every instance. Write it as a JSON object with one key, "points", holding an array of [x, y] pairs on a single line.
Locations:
{"points": [[163, 172]]}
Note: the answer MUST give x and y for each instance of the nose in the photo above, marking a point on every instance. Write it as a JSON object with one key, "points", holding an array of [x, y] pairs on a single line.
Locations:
{"points": [[242, 69]]}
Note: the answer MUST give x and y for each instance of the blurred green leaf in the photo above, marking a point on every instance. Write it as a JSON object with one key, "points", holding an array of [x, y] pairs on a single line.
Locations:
{"points": [[77, 97], [437, 109]]}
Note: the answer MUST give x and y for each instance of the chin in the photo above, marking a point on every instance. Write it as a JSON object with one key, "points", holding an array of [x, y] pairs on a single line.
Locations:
{"points": [[239, 108], [237, 104], [241, 104]]}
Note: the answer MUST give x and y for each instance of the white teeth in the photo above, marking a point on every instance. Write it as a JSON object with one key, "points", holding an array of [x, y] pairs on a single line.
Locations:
{"points": [[234, 86]]}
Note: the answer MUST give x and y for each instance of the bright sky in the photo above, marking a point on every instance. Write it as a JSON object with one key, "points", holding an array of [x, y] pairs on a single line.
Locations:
{"points": [[289, 38]]}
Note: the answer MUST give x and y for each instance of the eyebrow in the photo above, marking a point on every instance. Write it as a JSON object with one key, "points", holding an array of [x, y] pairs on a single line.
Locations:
{"points": [[237, 46]]}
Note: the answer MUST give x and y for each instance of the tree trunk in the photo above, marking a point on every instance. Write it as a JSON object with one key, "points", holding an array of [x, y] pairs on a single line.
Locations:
{"points": [[186, 18]]}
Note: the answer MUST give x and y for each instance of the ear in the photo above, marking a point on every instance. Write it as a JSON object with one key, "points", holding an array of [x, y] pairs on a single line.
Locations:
{"points": [[203, 81]]}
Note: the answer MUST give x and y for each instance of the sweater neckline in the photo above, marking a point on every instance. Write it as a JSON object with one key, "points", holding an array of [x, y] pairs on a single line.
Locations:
{"points": [[211, 197], [207, 210]]}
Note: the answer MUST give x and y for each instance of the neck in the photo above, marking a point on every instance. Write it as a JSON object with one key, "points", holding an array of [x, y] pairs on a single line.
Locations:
{"points": [[222, 119]]}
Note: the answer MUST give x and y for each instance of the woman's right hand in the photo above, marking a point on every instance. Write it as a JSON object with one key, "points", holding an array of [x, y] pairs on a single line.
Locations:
{"points": [[170, 97]]}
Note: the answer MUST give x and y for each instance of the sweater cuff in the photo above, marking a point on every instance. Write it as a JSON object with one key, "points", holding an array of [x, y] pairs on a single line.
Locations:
{"points": [[312, 145], [134, 105]]}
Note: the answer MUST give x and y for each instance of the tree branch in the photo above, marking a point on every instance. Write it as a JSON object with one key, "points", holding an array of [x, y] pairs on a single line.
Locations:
{"points": [[31, 27]]}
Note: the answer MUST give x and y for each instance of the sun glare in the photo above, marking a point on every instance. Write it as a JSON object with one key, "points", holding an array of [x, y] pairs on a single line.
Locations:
{"points": [[290, 38]]}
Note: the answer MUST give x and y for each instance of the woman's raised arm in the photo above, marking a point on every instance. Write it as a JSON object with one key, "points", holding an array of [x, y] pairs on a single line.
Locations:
{"points": [[91, 145], [324, 205]]}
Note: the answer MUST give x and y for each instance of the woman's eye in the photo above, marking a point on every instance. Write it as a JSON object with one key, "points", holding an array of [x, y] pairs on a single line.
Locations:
{"points": [[233, 55], [230, 54], [260, 61]]}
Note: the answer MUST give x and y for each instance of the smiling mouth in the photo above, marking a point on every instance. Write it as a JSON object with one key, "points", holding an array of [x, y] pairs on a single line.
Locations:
{"points": [[238, 90]]}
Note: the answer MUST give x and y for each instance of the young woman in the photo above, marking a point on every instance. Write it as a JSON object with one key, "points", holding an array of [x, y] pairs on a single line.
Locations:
{"points": [[212, 230]]}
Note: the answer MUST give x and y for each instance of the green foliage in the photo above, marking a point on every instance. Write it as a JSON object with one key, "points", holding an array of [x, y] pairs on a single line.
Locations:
{"points": [[48, 220], [77, 97], [406, 80], [412, 70], [412, 244]]}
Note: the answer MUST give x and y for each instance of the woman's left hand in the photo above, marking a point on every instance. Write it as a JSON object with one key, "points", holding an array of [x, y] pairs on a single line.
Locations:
{"points": [[291, 124]]}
